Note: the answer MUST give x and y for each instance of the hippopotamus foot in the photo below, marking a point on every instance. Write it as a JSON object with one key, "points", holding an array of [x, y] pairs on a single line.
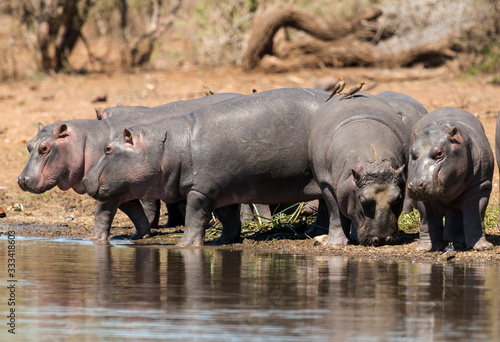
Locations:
{"points": [[190, 241], [138, 236], [95, 236], [231, 224], [336, 241], [482, 245], [424, 245], [225, 240], [316, 231]]}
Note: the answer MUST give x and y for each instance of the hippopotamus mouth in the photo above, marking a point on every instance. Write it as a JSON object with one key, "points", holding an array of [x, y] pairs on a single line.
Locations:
{"points": [[367, 239], [25, 187], [424, 194], [378, 241], [91, 189]]}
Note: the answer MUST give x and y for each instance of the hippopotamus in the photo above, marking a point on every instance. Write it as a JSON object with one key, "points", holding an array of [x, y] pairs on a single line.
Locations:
{"points": [[118, 110], [497, 151], [450, 174], [410, 111], [251, 149], [358, 151], [63, 152]]}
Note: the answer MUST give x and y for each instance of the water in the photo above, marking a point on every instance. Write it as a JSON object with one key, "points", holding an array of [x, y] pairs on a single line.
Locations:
{"points": [[79, 291]]}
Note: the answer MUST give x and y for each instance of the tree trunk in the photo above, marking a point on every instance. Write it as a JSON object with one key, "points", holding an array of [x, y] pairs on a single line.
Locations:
{"points": [[56, 26], [336, 44]]}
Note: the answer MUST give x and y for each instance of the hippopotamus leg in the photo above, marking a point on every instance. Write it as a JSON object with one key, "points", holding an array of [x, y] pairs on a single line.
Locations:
{"points": [[454, 227], [320, 226], [134, 210], [251, 212], [106, 211], [176, 214], [104, 214], [198, 216], [229, 216], [474, 211], [431, 228], [339, 225], [152, 211]]}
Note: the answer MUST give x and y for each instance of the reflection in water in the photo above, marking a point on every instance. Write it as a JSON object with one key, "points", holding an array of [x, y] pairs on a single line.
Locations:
{"points": [[79, 290]]}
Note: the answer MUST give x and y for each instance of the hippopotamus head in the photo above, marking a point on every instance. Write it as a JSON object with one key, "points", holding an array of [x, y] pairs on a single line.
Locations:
{"points": [[372, 197], [56, 159], [126, 162], [438, 162]]}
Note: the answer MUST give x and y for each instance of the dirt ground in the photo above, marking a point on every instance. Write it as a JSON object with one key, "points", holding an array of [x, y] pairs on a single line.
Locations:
{"points": [[64, 97]]}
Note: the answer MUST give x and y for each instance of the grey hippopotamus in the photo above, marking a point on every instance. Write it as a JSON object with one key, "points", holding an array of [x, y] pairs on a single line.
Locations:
{"points": [[63, 152], [252, 149], [497, 150], [450, 174], [358, 150], [120, 109], [410, 111]]}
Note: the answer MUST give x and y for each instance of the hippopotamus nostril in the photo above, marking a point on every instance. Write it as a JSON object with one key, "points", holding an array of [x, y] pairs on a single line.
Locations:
{"points": [[21, 180], [375, 241], [389, 240], [421, 186]]}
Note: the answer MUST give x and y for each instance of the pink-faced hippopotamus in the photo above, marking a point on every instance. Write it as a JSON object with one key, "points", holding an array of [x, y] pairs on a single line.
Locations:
{"points": [[62, 153], [358, 149], [450, 174], [251, 149]]}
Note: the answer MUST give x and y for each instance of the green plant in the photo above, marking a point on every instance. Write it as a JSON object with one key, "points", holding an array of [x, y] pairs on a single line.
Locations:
{"points": [[409, 221]]}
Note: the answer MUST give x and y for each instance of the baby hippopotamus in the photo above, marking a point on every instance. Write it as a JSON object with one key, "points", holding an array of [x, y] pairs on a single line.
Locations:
{"points": [[450, 174]]}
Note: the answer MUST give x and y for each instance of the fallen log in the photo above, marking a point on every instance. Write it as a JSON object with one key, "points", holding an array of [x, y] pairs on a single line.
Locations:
{"points": [[350, 43]]}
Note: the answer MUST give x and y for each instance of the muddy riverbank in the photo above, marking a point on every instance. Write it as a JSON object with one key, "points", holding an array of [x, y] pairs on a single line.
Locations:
{"points": [[63, 97]]}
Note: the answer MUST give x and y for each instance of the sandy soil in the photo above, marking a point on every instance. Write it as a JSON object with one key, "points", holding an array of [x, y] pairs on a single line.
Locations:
{"points": [[64, 97]]}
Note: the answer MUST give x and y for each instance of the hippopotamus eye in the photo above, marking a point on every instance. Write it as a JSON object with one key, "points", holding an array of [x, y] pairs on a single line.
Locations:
{"points": [[108, 149], [438, 154], [44, 148]]}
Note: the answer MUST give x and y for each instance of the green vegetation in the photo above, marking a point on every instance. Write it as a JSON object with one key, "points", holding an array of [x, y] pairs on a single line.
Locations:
{"points": [[410, 221], [490, 64]]}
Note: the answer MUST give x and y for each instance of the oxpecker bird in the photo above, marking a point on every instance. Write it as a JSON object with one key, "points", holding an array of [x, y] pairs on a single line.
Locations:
{"points": [[337, 89], [208, 91], [353, 90]]}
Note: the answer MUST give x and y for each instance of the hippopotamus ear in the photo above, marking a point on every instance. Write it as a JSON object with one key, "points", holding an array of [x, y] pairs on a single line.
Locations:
{"points": [[128, 137], [454, 135], [357, 173], [100, 115], [399, 172], [62, 131], [40, 126]]}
